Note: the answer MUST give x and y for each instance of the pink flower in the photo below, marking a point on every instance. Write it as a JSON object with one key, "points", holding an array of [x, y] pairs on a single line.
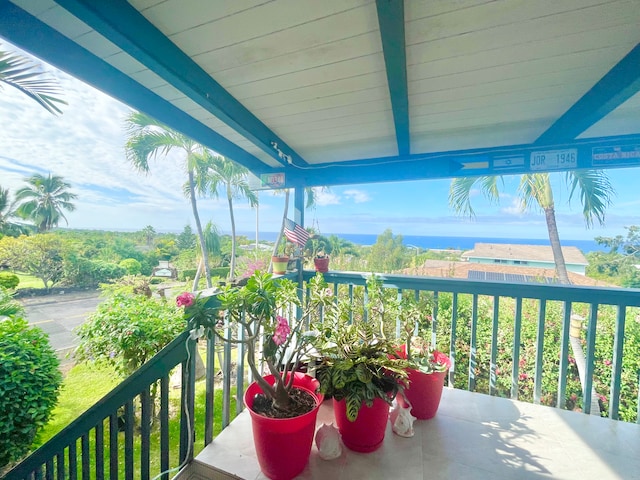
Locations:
{"points": [[607, 362], [185, 299], [282, 331]]}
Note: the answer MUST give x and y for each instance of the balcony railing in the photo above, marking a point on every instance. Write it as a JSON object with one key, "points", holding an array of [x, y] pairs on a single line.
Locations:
{"points": [[505, 339]]}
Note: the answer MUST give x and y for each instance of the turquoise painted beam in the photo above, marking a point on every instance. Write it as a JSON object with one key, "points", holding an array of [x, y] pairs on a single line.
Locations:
{"points": [[617, 86], [30, 34], [123, 25], [391, 21]]}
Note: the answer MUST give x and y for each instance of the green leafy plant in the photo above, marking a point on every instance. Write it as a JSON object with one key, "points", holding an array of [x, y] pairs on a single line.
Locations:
{"points": [[127, 330], [262, 309], [358, 362], [29, 384], [9, 280]]}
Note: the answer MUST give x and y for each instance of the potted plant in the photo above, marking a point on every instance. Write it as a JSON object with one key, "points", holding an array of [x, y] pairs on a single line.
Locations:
{"points": [[321, 262], [427, 367], [359, 371], [281, 259], [283, 404]]}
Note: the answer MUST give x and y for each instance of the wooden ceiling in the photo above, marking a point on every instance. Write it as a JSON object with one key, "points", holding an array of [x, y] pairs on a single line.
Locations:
{"points": [[356, 91]]}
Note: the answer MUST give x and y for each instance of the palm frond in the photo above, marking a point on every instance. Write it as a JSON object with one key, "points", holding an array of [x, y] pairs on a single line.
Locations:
{"points": [[596, 193], [461, 188], [27, 77]]}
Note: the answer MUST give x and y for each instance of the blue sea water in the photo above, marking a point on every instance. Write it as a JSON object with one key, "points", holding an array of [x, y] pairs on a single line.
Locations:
{"points": [[458, 243]]}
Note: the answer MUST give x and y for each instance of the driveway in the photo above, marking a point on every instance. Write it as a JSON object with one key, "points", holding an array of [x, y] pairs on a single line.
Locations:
{"points": [[57, 315]]}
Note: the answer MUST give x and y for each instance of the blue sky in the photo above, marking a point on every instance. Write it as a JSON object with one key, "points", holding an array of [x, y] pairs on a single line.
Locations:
{"points": [[85, 145]]}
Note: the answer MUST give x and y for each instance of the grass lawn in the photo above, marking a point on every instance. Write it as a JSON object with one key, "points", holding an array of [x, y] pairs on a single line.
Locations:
{"points": [[28, 281], [85, 384]]}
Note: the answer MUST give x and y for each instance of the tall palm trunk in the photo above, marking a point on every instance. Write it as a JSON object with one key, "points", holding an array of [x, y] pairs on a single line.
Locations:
{"points": [[196, 216], [281, 233], [556, 248], [232, 267]]}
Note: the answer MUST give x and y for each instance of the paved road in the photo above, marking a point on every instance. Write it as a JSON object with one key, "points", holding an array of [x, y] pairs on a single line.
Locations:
{"points": [[59, 314]]}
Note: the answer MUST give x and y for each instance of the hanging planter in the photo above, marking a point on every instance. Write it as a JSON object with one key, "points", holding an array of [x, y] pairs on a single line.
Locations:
{"points": [[283, 445]]}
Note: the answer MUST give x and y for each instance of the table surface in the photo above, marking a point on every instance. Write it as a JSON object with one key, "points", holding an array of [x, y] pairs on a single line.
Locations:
{"points": [[472, 436]]}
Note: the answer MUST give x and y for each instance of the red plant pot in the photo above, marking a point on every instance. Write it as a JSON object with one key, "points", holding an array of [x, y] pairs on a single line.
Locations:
{"points": [[424, 393], [321, 264], [283, 445], [366, 433]]}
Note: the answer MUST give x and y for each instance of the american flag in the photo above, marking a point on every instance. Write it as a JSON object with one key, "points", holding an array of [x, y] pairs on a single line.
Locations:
{"points": [[295, 233]]}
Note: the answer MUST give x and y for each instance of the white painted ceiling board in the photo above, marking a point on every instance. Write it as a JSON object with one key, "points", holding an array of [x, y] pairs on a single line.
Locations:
{"points": [[373, 148], [257, 22], [97, 44], [477, 42], [326, 54], [314, 76], [35, 7], [622, 121], [301, 120], [175, 16], [61, 20], [465, 138], [519, 72], [148, 78], [125, 63], [345, 99], [325, 30], [320, 90], [511, 86]]}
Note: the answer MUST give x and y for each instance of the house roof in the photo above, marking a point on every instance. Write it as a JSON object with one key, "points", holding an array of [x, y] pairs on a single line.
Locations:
{"points": [[451, 269], [531, 253], [309, 92]]}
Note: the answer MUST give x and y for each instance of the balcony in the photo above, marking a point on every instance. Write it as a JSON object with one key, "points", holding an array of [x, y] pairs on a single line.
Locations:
{"points": [[518, 368]]}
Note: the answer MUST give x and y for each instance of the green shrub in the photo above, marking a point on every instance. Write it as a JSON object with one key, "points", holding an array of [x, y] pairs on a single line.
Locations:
{"points": [[220, 272], [83, 272], [29, 385], [131, 265], [187, 273], [127, 330], [9, 280]]}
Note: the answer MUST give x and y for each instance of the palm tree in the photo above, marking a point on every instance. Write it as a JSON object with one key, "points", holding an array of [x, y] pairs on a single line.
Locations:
{"points": [[7, 214], [26, 76], [44, 199], [212, 242], [148, 234], [148, 138], [220, 173], [535, 190]]}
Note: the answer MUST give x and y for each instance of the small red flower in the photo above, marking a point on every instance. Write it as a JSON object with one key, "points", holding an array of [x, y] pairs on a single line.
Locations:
{"points": [[282, 331]]}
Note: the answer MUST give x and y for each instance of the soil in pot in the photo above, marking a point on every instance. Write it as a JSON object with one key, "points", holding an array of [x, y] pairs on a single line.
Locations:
{"points": [[301, 402]]}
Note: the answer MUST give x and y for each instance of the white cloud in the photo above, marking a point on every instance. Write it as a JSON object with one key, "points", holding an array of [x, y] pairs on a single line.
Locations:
{"points": [[358, 196], [325, 197], [515, 208]]}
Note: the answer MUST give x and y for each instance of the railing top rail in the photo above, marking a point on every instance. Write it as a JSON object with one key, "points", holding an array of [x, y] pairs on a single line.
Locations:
{"points": [[170, 356], [572, 293]]}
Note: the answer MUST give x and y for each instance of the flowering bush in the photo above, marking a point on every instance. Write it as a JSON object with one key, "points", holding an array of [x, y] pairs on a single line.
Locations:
{"points": [[262, 309]]}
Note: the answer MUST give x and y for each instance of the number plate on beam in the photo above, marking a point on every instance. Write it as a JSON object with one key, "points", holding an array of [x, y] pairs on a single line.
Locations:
{"points": [[554, 159]]}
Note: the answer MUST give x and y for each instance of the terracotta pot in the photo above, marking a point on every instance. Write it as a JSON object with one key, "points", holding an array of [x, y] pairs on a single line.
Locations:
{"points": [[322, 264], [279, 264], [366, 433], [283, 445]]}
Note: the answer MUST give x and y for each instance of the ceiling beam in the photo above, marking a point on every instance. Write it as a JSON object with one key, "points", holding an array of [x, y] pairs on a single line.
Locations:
{"points": [[123, 25], [617, 86], [599, 153], [391, 21], [32, 35]]}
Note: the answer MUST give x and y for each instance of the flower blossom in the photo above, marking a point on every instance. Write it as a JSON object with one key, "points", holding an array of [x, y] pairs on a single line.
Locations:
{"points": [[185, 299], [282, 331]]}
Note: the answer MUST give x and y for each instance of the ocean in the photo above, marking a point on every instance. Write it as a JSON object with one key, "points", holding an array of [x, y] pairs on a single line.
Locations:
{"points": [[436, 242]]}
